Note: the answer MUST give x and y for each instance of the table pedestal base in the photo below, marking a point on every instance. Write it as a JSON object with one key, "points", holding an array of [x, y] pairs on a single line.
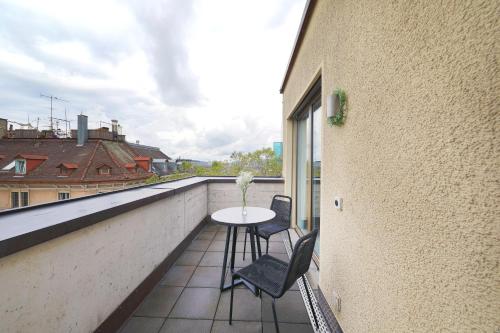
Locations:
{"points": [[254, 238]]}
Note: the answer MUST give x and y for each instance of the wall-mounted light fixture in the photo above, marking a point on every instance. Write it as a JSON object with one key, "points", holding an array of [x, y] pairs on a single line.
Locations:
{"points": [[335, 107]]}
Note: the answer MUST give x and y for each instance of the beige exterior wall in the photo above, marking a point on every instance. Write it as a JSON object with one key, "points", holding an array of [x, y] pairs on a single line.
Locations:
{"points": [[74, 282], [416, 247], [39, 194]]}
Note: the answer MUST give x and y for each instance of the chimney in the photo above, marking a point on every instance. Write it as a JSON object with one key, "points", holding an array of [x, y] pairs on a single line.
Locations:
{"points": [[3, 127], [114, 129], [82, 132]]}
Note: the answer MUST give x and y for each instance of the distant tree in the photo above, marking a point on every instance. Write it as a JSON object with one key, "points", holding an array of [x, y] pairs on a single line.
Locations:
{"points": [[217, 168], [261, 162], [186, 167]]}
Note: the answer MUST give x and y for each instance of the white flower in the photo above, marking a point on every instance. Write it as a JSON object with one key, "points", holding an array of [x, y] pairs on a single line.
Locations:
{"points": [[244, 180]]}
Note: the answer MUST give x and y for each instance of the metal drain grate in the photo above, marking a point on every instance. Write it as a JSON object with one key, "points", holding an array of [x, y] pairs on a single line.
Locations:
{"points": [[322, 325]]}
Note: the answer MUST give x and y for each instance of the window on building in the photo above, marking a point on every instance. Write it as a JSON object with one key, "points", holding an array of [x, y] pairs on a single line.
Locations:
{"points": [[63, 196], [19, 199], [21, 167], [104, 170]]}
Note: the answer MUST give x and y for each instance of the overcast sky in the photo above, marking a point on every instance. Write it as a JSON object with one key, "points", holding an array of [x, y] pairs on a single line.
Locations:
{"points": [[198, 78]]}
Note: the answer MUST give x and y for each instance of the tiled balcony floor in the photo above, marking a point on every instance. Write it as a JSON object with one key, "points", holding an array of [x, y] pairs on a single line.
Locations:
{"points": [[188, 298]]}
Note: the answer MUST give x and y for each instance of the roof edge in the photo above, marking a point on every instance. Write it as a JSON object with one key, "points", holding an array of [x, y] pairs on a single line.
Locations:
{"points": [[304, 22]]}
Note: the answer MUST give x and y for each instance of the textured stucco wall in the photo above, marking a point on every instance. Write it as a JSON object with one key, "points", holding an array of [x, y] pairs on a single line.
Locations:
{"points": [[416, 247]]}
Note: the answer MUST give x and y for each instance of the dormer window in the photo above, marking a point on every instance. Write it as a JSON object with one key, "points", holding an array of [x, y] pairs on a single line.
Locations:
{"points": [[131, 167], [25, 163], [20, 166], [104, 169], [66, 169], [143, 162]]}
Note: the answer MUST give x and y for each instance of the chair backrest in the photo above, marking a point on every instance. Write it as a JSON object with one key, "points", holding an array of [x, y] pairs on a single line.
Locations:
{"points": [[301, 259], [282, 206]]}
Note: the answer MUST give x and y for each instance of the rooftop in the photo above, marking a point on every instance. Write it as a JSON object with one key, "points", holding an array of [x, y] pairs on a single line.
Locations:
{"points": [[188, 299], [146, 259], [84, 160]]}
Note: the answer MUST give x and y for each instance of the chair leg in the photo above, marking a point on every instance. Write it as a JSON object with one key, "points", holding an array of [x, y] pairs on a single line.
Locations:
{"points": [[267, 246], [310, 302], [231, 302], [289, 239], [245, 244], [275, 316]]}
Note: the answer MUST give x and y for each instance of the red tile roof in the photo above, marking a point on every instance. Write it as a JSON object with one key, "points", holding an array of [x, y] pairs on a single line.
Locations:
{"points": [[68, 165], [32, 157], [130, 165], [83, 160], [100, 165]]}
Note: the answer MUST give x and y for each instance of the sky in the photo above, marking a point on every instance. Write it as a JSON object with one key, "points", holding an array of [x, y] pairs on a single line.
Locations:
{"points": [[197, 78]]}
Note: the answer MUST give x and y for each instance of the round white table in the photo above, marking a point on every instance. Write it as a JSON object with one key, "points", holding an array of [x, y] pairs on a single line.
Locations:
{"points": [[234, 218]]}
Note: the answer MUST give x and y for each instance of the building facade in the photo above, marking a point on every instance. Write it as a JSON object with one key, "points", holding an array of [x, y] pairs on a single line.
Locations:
{"points": [[35, 169], [405, 192]]}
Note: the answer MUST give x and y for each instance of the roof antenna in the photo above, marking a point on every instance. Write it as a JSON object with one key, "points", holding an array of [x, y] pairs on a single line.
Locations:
{"points": [[51, 99]]}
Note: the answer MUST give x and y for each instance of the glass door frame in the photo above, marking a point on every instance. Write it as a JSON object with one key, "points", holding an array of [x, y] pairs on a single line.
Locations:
{"points": [[312, 99]]}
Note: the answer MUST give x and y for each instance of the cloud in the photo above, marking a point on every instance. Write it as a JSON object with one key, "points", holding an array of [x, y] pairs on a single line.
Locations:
{"points": [[166, 25], [197, 78]]}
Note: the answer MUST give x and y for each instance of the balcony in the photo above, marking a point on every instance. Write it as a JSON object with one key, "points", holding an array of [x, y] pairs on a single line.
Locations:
{"points": [[139, 260]]}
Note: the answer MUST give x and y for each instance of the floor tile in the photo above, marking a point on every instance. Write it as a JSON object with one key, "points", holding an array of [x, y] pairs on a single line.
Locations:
{"points": [[213, 259], [237, 326], [289, 308], [189, 258], [143, 325], [211, 227], [278, 247], [186, 326], [159, 302], [206, 235], [278, 237], [221, 235], [288, 328], [178, 276], [206, 277], [246, 306], [196, 303], [218, 246], [199, 245]]}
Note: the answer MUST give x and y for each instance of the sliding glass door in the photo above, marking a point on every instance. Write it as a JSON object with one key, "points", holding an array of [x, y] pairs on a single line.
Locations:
{"points": [[303, 173], [308, 167]]}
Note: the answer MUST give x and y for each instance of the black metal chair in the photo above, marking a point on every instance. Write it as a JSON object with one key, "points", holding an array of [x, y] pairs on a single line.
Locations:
{"points": [[282, 206], [275, 277]]}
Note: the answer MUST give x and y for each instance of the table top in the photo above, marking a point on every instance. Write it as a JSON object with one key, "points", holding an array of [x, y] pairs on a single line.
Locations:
{"points": [[234, 216]]}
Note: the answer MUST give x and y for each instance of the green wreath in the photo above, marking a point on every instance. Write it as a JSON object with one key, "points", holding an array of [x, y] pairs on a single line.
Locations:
{"points": [[338, 118]]}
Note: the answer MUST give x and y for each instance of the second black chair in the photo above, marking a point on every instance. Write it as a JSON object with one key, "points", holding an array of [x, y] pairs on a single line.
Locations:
{"points": [[275, 277], [282, 206]]}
